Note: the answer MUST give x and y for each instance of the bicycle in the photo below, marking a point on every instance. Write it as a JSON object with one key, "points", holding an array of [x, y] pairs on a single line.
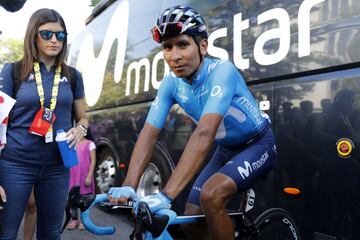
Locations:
{"points": [[274, 223]]}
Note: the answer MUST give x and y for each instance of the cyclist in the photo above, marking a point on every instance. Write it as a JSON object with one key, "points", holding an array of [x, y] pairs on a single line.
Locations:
{"points": [[215, 96]]}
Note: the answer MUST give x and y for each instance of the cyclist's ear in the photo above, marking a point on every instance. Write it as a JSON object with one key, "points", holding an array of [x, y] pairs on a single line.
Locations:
{"points": [[203, 46]]}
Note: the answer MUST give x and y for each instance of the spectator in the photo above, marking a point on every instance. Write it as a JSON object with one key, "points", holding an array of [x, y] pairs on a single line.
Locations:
{"points": [[33, 160]]}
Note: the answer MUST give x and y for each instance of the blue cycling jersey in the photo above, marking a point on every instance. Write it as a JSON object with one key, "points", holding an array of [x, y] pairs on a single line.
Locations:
{"points": [[217, 88]]}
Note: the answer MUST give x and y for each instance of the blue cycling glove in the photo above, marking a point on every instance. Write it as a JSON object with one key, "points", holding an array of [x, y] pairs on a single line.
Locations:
{"points": [[125, 192], [157, 201]]}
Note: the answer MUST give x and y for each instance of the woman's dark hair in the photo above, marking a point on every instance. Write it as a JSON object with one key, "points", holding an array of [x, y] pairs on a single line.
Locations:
{"points": [[38, 18]]}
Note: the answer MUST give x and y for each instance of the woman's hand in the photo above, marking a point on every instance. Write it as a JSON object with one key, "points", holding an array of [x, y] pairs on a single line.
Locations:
{"points": [[2, 196], [74, 135]]}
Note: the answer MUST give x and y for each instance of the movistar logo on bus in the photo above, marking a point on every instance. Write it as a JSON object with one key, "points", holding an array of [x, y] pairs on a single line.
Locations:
{"points": [[93, 66], [282, 33]]}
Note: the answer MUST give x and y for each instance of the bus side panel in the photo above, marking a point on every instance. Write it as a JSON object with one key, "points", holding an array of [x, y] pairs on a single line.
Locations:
{"points": [[265, 188], [318, 134]]}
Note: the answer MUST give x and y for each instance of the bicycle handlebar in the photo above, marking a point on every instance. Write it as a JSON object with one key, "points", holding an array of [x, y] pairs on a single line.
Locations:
{"points": [[145, 220], [86, 220], [85, 203], [153, 225]]}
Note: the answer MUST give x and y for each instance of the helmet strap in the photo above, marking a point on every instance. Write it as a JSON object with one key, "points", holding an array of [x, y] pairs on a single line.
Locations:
{"points": [[197, 42]]}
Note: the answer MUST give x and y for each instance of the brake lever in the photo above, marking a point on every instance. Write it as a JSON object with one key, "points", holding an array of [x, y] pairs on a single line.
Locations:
{"points": [[147, 221], [141, 214]]}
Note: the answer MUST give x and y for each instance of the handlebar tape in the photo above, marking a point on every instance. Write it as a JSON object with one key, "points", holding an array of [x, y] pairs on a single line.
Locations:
{"points": [[90, 226]]}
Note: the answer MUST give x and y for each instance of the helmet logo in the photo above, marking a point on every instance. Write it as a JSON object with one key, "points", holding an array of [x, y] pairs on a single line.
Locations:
{"points": [[190, 25], [202, 28]]}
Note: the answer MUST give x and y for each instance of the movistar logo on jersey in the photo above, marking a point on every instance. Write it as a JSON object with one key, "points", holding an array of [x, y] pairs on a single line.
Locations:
{"points": [[63, 79], [249, 168], [203, 91], [181, 93], [261, 161], [245, 172], [252, 109], [183, 97]]}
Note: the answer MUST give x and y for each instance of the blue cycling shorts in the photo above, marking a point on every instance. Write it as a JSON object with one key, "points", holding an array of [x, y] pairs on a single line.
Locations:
{"points": [[244, 164]]}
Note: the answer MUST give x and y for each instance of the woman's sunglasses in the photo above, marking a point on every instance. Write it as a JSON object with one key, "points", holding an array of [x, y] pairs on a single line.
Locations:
{"points": [[47, 35]]}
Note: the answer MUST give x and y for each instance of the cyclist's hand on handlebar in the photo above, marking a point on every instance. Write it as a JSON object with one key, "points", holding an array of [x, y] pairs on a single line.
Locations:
{"points": [[121, 194], [157, 201]]}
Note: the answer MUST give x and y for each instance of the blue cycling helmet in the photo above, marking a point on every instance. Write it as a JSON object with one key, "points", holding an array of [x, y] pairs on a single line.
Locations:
{"points": [[179, 20]]}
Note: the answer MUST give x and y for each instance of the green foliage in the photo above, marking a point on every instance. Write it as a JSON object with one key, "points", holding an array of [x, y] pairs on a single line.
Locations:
{"points": [[94, 2], [11, 50]]}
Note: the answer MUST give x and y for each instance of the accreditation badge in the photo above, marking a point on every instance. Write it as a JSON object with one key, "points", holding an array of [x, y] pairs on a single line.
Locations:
{"points": [[49, 135], [42, 122]]}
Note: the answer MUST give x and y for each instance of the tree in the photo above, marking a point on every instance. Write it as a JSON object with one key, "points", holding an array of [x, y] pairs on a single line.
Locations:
{"points": [[11, 50], [94, 2]]}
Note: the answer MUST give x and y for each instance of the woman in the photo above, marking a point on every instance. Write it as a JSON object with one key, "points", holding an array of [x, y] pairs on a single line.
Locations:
{"points": [[45, 102]]}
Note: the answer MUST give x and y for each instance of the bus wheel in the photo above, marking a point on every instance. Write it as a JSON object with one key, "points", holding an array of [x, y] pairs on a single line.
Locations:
{"points": [[155, 175], [105, 171]]}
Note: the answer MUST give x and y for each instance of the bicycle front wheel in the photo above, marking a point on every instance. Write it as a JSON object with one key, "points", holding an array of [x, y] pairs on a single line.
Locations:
{"points": [[275, 224]]}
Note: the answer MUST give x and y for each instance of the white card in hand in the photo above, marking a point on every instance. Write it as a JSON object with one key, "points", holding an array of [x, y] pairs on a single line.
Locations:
{"points": [[6, 103]]}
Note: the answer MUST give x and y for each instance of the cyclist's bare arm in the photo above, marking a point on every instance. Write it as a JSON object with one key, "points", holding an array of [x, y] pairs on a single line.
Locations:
{"points": [[141, 154], [194, 154]]}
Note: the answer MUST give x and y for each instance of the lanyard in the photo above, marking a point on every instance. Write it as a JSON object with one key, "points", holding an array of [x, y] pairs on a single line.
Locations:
{"points": [[40, 88]]}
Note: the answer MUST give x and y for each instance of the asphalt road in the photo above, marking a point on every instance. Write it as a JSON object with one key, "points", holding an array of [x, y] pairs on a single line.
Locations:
{"points": [[119, 219]]}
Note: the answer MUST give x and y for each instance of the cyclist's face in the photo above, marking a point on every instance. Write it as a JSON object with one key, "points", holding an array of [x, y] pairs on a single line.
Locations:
{"points": [[182, 55]]}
